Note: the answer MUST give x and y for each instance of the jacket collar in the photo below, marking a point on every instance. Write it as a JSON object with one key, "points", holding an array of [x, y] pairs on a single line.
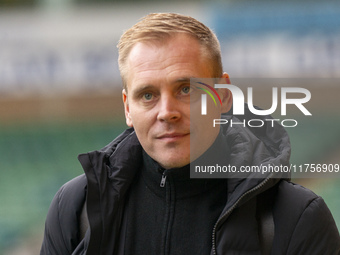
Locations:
{"points": [[178, 178]]}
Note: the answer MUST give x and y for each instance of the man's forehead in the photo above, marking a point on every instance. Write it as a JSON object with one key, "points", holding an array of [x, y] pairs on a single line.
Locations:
{"points": [[183, 39]]}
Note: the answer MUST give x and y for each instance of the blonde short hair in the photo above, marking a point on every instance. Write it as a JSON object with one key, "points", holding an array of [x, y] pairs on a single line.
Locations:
{"points": [[160, 26]]}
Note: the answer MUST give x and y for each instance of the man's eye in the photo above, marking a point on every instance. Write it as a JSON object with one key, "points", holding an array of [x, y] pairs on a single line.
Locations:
{"points": [[186, 90], [147, 96]]}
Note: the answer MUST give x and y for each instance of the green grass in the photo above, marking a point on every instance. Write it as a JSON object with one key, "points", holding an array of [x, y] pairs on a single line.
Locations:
{"points": [[314, 139], [35, 161]]}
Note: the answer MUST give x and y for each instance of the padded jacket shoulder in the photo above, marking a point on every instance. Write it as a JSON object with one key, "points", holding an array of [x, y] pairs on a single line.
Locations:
{"points": [[62, 222], [303, 223]]}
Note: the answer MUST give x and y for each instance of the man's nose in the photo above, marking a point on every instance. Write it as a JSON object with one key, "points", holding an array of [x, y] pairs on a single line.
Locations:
{"points": [[168, 109]]}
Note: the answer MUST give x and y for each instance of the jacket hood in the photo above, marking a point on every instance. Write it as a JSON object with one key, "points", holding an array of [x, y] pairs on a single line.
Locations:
{"points": [[264, 144], [253, 147]]}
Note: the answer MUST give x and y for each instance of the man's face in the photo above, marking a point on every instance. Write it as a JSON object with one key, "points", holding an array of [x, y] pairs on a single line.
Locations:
{"points": [[157, 103]]}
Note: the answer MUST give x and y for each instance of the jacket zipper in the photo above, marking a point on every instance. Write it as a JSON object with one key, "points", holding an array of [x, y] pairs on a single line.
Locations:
{"points": [[231, 209], [163, 180], [168, 206]]}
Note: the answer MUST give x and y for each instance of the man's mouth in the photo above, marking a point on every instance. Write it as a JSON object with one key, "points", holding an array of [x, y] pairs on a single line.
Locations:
{"points": [[172, 137]]}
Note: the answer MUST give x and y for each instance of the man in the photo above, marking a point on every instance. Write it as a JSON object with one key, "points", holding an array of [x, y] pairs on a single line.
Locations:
{"points": [[136, 196]]}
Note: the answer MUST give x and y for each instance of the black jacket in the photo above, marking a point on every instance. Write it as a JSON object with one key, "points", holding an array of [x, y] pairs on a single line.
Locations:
{"points": [[303, 223]]}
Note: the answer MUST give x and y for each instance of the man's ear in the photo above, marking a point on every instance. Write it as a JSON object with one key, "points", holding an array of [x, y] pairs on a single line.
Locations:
{"points": [[226, 96], [126, 108]]}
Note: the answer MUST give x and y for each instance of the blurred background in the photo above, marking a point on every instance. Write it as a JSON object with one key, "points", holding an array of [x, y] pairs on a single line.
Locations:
{"points": [[60, 90]]}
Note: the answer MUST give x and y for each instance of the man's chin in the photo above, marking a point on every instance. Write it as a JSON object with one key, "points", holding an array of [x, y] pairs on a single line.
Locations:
{"points": [[173, 162]]}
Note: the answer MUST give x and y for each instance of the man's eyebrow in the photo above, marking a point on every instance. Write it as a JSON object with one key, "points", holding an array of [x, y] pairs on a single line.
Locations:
{"points": [[146, 87], [184, 79], [142, 89]]}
